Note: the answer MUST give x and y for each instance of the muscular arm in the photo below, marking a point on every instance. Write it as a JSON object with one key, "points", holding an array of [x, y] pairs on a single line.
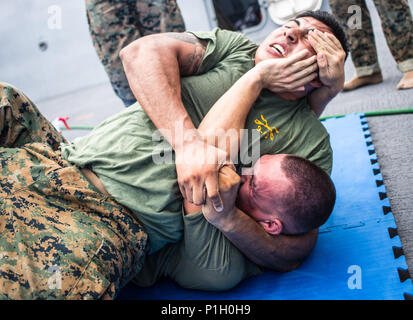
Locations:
{"points": [[154, 65], [320, 98], [281, 253], [228, 115]]}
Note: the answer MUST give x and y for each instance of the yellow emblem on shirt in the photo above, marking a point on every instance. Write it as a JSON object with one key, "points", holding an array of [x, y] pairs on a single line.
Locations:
{"points": [[265, 129]]}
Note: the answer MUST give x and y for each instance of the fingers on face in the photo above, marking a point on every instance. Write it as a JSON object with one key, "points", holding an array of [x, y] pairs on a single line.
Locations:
{"points": [[307, 64], [302, 72], [322, 63], [321, 43], [304, 63], [306, 72], [300, 83], [297, 57], [339, 53], [334, 40], [305, 80]]}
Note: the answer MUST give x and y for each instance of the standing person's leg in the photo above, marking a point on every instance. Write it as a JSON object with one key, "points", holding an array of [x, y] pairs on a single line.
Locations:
{"points": [[362, 43], [397, 23], [113, 24], [159, 16]]}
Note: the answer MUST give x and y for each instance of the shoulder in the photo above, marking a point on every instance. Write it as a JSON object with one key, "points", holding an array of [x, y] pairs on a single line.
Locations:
{"points": [[225, 46], [226, 38]]}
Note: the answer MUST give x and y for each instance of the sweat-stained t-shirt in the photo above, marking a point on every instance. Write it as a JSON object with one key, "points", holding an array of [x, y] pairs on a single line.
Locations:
{"points": [[120, 150]]}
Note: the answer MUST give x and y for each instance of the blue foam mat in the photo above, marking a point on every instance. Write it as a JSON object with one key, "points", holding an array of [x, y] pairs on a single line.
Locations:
{"points": [[359, 238]]}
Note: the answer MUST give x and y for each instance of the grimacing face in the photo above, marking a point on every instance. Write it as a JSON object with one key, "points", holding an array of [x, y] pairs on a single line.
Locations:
{"points": [[258, 195], [289, 39]]}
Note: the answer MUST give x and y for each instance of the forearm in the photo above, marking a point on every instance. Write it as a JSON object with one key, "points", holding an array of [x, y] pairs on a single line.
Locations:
{"points": [[281, 253], [228, 115], [320, 98]]}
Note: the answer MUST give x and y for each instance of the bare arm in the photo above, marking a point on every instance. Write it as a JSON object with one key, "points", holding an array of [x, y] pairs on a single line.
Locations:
{"points": [[281, 253], [319, 99], [154, 65], [224, 121], [229, 113], [227, 116]]}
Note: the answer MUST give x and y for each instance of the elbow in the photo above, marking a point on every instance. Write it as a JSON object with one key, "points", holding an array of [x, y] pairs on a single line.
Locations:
{"points": [[284, 267], [127, 53], [300, 253], [131, 51], [290, 267], [123, 54]]}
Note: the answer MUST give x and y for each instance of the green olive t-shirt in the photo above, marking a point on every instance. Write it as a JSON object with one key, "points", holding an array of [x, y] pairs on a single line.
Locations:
{"points": [[120, 150]]}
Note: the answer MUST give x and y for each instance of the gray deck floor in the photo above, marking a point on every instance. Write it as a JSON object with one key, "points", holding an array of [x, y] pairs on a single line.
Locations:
{"points": [[392, 135]]}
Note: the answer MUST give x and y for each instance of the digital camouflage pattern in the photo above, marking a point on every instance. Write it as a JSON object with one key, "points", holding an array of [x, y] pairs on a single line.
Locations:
{"points": [[21, 122], [113, 24], [60, 238], [397, 23]]}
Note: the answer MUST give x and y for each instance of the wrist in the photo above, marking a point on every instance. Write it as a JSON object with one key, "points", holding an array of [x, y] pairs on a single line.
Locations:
{"points": [[257, 76], [336, 87], [330, 92], [225, 221], [185, 136]]}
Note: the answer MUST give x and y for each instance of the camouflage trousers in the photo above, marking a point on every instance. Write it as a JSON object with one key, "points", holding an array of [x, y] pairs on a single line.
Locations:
{"points": [[397, 24], [113, 24], [60, 238]]}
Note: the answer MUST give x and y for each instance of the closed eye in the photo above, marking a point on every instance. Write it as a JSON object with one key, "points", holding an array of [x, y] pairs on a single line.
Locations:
{"points": [[307, 32]]}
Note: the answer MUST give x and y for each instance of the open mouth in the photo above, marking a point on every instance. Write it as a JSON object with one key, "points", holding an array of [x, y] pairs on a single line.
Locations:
{"points": [[278, 49]]}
